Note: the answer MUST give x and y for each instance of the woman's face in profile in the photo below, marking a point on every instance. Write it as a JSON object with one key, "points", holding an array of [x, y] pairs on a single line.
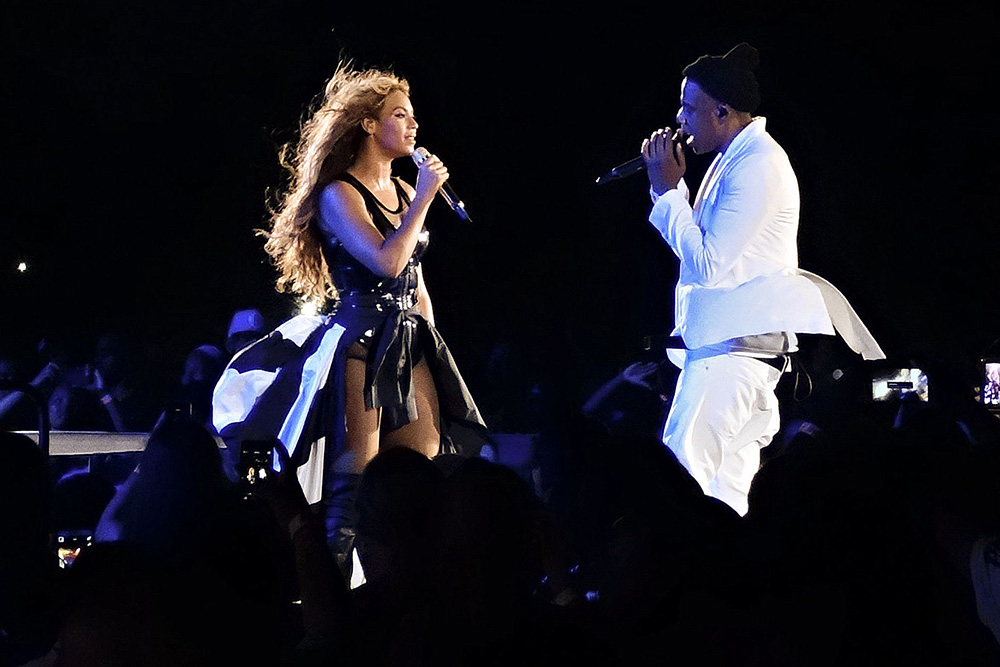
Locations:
{"points": [[395, 130]]}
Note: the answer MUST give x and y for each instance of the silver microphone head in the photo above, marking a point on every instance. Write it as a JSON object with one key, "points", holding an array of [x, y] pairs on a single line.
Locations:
{"points": [[419, 155]]}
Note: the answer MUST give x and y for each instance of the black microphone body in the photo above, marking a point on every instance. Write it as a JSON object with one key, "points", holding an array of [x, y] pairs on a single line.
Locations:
{"points": [[456, 204], [633, 166], [446, 191]]}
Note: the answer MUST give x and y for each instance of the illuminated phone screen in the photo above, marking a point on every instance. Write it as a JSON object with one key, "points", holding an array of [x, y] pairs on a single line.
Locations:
{"points": [[893, 384], [68, 547], [991, 384]]}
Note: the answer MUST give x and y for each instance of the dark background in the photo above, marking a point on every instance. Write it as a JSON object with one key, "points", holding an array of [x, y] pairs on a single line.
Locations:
{"points": [[139, 144]]}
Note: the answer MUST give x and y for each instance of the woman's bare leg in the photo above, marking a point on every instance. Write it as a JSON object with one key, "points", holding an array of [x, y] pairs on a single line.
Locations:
{"points": [[423, 434], [361, 440]]}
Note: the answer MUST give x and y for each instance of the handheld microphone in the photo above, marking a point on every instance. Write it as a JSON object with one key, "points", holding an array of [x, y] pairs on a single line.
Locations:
{"points": [[454, 201], [635, 165]]}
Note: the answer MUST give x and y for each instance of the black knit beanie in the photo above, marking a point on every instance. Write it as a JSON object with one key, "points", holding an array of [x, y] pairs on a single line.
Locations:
{"points": [[729, 78]]}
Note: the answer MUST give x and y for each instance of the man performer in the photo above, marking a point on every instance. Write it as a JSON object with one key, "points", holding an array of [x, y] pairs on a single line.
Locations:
{"points": [[740, 297]]}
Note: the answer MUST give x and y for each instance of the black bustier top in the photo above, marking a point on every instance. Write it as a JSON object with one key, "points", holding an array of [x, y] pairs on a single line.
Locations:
{"points": [[355, 282]]}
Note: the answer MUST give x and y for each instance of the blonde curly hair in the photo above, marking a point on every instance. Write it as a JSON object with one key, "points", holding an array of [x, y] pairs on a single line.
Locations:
{"points": [[328, 143]]}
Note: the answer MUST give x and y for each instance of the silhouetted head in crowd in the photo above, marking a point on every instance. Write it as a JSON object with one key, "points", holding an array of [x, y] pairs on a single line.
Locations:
{"points": [[123, 608], [121, 376], [488, 555], [180, 484], [226, 566], [80, 498], [245, 327], [43, 370], [115, 358], [579, 461], [28, 567], [116, 613], [203, 365], [78, 409], [398, 493], [202, 370], [16, 411], [25, 498], [633, 515]]}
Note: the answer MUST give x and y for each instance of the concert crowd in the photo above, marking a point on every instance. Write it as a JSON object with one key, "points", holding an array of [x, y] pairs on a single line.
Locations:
{"points": [[871, 536]]}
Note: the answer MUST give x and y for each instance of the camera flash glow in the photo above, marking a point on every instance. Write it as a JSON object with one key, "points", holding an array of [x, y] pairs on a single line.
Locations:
{"points": [[22, 267]]}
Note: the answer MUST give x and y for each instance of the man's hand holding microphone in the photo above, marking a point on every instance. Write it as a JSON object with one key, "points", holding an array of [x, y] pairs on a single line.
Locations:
{"points": [[663, 153]]}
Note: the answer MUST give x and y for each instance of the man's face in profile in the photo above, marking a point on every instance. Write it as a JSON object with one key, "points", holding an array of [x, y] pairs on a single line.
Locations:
{"points": [[699, 117]]}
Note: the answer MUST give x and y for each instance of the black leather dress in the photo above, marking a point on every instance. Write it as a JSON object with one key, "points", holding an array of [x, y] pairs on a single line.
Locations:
{"points": [[290, 384], [394, 334]]}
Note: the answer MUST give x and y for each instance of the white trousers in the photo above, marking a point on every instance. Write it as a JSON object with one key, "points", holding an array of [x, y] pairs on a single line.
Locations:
{"points": [[724, 411]]}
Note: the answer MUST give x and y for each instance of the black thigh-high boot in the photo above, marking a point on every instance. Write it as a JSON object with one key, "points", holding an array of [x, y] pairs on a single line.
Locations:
{"points": [[341, 518]]}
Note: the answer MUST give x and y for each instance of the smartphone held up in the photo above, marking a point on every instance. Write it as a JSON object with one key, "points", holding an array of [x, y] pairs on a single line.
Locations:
{"points": [[256, 464]]}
